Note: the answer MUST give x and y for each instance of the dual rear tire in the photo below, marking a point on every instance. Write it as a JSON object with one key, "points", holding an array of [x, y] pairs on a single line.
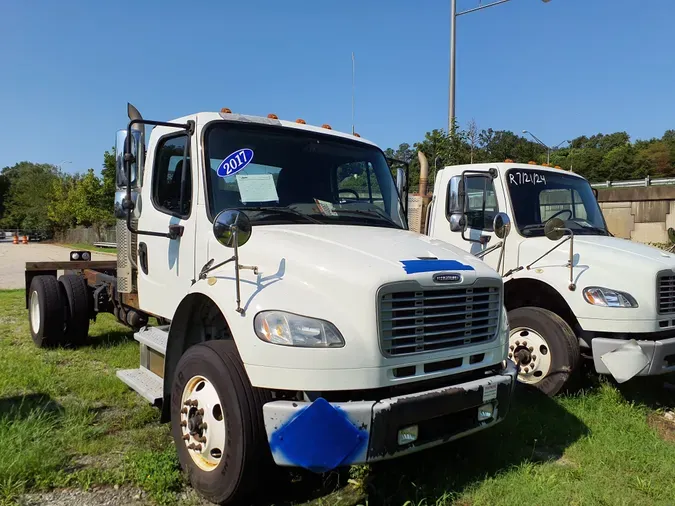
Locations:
{"points": [[59, 310]]}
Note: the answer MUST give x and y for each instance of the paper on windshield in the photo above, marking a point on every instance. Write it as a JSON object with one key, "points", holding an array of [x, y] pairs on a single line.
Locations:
{"points": [[326, 208], [257, 188]]}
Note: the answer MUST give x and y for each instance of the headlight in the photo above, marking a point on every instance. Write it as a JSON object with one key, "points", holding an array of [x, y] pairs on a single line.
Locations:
{"points": [[288, 329], [608, 298]]}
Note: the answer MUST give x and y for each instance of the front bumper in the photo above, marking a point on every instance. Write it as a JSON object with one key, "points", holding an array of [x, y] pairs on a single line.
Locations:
{"points": [[321, 436], [622, 358]]}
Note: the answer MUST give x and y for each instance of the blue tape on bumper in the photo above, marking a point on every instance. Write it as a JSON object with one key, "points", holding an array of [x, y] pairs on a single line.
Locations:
{"points": [[431, 265], [318, 438]]}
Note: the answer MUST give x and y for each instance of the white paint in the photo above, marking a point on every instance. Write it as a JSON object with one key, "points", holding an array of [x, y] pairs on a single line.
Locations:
{"points": [[331, 272], [603, 261]]}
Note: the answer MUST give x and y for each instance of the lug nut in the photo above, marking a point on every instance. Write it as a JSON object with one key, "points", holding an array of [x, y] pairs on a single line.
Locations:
{"points": [[191, 446], [183, 423], [531, 348], [200, 412], [517, 343], [184, 411], [510, 355], [187, 403], [527, 369], [195, 403], [524, 343], [512, 347], [534, 357], [203, 426], [198, 448], [186, 437]]}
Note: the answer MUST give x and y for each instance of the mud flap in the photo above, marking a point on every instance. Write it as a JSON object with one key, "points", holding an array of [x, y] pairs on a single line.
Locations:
{"points": [[626, 361]]}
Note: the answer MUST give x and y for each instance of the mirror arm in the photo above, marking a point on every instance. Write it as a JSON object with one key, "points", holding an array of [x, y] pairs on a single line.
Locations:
{"points": [[127, 203], [570, 261], [481, 254]]}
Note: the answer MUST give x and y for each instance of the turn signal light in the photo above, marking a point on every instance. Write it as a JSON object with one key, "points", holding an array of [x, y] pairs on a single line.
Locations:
{"points": [[327, 126], [225, 110], [301, 121], [272, 116]]}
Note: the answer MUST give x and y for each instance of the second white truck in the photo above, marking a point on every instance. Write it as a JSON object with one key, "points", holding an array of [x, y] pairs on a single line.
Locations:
{"points": [[572, 289]]}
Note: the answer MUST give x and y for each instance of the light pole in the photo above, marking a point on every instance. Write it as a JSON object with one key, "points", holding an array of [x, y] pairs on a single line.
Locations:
{"points": [[60, 165], [453, 49]]}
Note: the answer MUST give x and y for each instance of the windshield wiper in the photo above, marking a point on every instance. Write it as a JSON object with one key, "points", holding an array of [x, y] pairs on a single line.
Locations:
{"points": [[375, 213], [280, 210]]}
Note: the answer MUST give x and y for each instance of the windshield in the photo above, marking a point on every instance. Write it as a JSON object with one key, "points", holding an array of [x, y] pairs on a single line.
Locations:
{"points": [[284, 175], [537, 196]]}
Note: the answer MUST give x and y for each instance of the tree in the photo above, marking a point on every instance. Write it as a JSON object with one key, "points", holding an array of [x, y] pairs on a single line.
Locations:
{"points": [[473, 136], [90, 204], [28, 196]]}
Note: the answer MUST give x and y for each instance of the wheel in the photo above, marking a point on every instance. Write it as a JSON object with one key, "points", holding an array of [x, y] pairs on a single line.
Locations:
{"points": [[78, 307], [544, 347], [217, 423], [46, 311]]}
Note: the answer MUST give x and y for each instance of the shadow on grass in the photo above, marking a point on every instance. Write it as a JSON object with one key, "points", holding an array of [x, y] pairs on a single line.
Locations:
{"points": [[107, 339], [20, 407], [654, 392], [537, 429]]}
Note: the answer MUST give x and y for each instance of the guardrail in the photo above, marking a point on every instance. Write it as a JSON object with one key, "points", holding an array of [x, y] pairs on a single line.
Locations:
{"points": [[105, 244], [632, 183]]}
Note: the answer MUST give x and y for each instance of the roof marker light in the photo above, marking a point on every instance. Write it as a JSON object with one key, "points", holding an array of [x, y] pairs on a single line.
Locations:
{"points": [[225, 110], [356, 135], [531, 163], [327, 126], [508, 160], [272, 116], [301, 121]]}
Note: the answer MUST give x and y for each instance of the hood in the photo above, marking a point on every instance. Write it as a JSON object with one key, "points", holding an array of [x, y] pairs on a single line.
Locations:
{"points": [[596, 251], [361, 255]]}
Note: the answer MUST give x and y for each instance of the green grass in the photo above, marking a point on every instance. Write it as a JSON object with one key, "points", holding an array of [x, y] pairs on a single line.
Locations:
{"points": [[89, 247], [67, 421]]}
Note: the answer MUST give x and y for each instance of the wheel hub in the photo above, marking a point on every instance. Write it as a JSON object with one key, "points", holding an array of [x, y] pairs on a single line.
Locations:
{"points": [[202, 423], [530, 351]]}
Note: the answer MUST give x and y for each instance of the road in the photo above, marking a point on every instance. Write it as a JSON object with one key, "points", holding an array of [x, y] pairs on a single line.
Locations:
{"points": [[13, 258]]}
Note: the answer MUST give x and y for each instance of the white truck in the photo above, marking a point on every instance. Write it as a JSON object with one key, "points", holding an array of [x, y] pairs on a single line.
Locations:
{"points": [[299, 321], [572, 290]]}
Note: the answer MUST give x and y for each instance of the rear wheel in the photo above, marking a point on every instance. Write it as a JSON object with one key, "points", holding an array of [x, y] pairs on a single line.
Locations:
{"points": [[46, 311], [217, 423], [78, 304], [545, 349]]}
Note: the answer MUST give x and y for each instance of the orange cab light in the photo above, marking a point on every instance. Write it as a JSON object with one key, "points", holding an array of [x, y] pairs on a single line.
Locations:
{"points": [[327, 126], [532, 163], [508, 160], [356, 135], [226, 110], [558, 167], [272, 116], [301, 121]]}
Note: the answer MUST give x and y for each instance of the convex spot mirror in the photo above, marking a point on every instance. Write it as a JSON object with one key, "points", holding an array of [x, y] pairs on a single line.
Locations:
{"points": [[554, 229], [501, 225], [226, 223]]}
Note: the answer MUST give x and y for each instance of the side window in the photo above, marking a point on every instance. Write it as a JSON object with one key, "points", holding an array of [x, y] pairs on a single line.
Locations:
{"points": [[357, 181], [554, 202], [169, 172], [481, 203]]}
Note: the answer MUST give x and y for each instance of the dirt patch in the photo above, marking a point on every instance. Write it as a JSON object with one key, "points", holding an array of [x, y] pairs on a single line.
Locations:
{"points": [[663, 424], [105, 496]]}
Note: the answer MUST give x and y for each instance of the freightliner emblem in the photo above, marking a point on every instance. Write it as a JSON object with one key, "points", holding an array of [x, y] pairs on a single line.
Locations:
{"points": [[447, 277]]}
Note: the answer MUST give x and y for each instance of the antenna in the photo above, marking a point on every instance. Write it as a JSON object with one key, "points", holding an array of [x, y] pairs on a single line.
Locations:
{"points": [[352, 92]]}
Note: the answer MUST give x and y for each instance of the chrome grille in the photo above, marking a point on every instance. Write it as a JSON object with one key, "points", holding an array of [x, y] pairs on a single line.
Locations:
{"points": [[666, 294], [417, 321]]}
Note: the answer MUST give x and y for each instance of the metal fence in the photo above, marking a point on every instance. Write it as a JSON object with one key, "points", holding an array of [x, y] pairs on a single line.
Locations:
{"points": [[87, 235], [632, 183]]}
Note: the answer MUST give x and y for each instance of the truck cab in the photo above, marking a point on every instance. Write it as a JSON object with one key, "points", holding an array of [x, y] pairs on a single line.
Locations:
{"points": [[299, 322], [572, 289]]}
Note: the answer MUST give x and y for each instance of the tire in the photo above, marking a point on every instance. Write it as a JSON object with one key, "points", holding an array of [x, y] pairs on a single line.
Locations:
{"points": [[78, 303], [46, 312], [246, 454], [558, 356]]}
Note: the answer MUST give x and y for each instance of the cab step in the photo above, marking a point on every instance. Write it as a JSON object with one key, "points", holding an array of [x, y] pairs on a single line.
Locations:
{"points": [[148, 380], [144, 382]]}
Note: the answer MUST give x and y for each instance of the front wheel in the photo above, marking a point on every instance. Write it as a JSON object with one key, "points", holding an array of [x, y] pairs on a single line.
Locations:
{"points": [[544, 347], [217, 423]]}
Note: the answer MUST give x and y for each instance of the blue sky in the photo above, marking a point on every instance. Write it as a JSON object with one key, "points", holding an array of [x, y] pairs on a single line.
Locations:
{"points": [[561, 69]]}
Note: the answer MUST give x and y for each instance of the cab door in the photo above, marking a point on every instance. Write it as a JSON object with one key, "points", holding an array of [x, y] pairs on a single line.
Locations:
{"points": [[166, 266]]}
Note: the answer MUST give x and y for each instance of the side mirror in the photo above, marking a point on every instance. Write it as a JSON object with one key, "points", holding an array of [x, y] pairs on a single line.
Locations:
{"points": [[137, 150], [400, 182], [554, 229], [456, 204], [501, 225], [232, 228], [457, 222], [121, 210]]}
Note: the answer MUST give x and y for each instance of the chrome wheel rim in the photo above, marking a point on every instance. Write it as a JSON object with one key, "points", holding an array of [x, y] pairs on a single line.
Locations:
{"points": [[531, 353], [34, 312]]}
